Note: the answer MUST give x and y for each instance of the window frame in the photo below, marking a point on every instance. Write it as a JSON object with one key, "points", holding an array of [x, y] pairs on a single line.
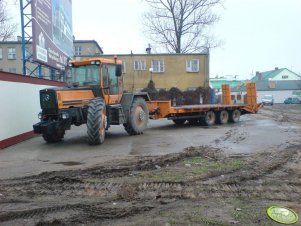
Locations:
{"points": [[141, 65], [190, 67], [123, 67], [77, 50], [160, 67], [11, 55]]}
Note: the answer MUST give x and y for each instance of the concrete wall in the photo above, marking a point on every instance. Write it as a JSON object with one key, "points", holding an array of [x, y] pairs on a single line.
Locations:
{"points": [[20, 105], [174, 75]]}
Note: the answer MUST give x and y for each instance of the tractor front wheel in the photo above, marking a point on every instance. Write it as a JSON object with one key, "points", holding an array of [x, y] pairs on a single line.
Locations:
{"points": [[96, 121], [138, 117]]}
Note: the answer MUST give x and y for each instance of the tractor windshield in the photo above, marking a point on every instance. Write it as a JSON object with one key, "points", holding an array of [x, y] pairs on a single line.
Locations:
{"points": [[86, 75]]}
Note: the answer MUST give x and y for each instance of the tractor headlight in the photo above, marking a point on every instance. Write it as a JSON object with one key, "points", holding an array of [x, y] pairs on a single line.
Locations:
{"points": [[65, 115], [40, 116]]}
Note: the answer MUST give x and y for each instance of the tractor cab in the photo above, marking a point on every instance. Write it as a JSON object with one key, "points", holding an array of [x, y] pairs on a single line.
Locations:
{"points": [[103, 76]]}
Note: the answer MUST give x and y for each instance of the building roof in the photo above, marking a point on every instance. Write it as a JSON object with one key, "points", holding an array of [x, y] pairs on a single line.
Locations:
{"points": [[157, 54], [262, 85], [74, 41], [89, 41], [217, 83], [266, 75]]}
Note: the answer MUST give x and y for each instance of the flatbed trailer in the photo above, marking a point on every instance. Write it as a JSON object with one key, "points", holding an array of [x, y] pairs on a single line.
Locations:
{"points": [[207, 114]]}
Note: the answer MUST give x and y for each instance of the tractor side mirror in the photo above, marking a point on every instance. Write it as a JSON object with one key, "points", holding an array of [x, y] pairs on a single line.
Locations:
{"points": [[118, 71]]}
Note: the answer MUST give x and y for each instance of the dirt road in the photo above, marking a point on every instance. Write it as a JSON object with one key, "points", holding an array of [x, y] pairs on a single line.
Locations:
{"points": [[230, 179]]}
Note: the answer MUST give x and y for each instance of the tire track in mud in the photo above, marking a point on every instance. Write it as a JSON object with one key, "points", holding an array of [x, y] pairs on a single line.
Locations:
{"points": [[90, 211], [103, 186]]}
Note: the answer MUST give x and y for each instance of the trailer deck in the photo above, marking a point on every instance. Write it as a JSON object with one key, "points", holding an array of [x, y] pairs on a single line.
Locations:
{"points": [[208, 113]]}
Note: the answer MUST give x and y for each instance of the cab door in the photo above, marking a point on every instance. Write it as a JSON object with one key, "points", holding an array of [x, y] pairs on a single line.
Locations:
{"points": [[112, 84]]}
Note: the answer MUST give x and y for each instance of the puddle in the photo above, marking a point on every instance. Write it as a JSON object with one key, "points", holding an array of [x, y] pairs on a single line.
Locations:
{"points": [[70, 163]]}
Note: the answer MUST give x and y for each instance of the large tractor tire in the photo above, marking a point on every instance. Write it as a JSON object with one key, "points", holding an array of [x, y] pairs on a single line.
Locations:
{"points": [[55, 136], [234, 115], [222, 117], [209, 119], [96, 124], [179, 121], [138, 117]]}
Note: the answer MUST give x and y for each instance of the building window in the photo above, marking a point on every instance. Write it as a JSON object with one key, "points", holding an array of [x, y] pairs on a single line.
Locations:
{"points": [[12, 70], [192, 65], [284, 76], [77, 50], [11, 53], [158, 66], [0, 53], [123, 68], [139, 65]]}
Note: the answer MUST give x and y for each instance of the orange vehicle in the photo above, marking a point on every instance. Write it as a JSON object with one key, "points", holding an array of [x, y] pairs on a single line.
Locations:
{"points": [[94, 96]]}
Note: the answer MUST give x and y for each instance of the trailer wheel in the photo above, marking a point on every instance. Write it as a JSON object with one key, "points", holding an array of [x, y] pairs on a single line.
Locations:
{"points": [[179, 121], [222, 117], [234, 115], [138, 117], [54, 136], [96, 121], [209, 119]]}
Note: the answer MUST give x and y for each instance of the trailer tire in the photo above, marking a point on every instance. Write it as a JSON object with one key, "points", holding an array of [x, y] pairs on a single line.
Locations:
{"points": [[96, 121], [54, 136], [234, 116], [138, 117], [222, 117], [179, 121], [209, 118]]}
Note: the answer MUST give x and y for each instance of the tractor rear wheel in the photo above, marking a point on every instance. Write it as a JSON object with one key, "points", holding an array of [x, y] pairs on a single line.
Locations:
{"points": [[234, 116], [138, 117], [55, 136], [96, 121]]}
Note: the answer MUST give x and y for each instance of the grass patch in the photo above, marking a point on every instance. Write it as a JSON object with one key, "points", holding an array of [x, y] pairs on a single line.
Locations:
{"points": [[204, 165], [190, 168]]}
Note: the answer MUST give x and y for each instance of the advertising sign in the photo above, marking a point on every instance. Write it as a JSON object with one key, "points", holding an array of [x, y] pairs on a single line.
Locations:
{"points": [[52, 36]]}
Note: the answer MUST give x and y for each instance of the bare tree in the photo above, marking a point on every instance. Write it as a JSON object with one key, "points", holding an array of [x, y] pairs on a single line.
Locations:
{"points": [[7, 27], [181, 26]]}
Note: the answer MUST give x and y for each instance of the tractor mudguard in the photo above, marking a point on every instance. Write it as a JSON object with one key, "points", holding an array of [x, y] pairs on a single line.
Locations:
{"points": [[127, 100]]}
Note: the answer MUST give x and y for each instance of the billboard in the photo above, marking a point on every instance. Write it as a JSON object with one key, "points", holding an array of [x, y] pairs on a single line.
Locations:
{"points": [[52, 36]]}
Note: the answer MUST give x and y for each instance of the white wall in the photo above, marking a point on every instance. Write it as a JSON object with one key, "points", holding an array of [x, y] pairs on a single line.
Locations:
{"points": [[290, 76], [20, 105]]}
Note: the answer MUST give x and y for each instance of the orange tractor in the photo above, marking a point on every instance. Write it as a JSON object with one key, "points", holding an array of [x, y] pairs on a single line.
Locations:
{"points": [[94, 96]]}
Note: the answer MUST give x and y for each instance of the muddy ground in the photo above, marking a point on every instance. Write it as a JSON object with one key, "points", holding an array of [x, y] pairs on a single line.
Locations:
{"points": [[202, 185]]}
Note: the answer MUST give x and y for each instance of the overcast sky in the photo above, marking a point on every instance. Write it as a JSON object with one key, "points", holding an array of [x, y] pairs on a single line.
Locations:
{"points": [[257, 35]]}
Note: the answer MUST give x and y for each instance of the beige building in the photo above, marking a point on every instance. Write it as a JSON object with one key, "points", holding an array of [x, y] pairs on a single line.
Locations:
{"points": [[11, 56], [184, 71]]}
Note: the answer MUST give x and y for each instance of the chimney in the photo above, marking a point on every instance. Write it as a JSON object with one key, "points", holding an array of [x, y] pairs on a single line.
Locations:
{"points": [[276, 68], [19, 38], [258, 75], [148, 50]]}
